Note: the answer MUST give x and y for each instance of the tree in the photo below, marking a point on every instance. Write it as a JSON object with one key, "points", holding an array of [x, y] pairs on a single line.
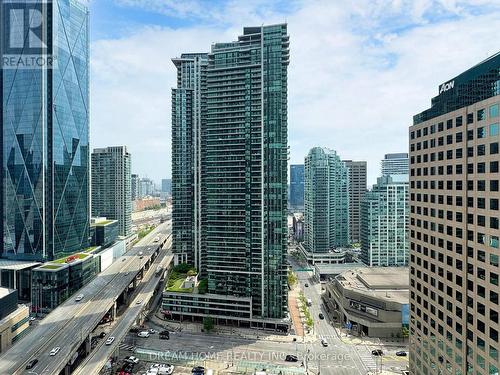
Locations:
{"points": [[208, 324]]}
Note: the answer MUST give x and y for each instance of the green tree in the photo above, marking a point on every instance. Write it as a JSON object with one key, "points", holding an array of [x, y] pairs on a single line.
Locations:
{"points": [[208, 324], [292, 278]]}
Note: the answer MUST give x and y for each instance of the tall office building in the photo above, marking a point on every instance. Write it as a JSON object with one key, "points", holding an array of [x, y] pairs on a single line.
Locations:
{"points": [[395, 164], [135, 187], [296, 200], [146, 187], [357, 191], [384, 223], [111, 186], [45, 129], [189, 106], [229, 169], [454, 227], [166, 185], [326, 200]]}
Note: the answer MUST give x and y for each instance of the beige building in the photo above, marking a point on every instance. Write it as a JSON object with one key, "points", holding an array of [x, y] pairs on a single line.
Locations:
{"points": [[370, 301], [454, 227], [14, 318]]}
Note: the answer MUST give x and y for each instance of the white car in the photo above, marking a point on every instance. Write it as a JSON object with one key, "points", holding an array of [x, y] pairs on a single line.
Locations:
{"points": [[143, 334], [166, 369], [152, 331], [141, 253], [324, 342], [79, 297], [110, 340], [139, 302], [54, 351], [132, 359]]}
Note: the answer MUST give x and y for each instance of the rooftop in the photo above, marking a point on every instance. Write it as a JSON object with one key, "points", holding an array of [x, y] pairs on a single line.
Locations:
{"points": [[387, 283], [5, 291], [16, 265]]}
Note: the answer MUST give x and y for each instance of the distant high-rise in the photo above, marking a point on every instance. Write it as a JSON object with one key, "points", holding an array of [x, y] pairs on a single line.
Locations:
{"points": [[45, 130], [454, 227], [135, 187], [296, 186], [111, 186], [166, 185], [146, 187], [384, 223], [229, 170], [395, 164], [326, 200], [357, 190]]}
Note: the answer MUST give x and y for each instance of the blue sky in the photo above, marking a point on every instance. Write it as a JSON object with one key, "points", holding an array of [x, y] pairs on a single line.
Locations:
{"points": [[359, 69]]}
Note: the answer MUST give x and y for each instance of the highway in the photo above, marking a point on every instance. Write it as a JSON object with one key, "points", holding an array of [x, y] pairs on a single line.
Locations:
{"points": [[68, 325], [100, 355]]}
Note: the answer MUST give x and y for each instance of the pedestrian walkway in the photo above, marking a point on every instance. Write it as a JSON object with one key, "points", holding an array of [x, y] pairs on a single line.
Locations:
{"points": [[126, 347], [295, 313], [367, 358]]}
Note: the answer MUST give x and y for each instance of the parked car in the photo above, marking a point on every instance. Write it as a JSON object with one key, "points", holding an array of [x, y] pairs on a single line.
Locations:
{"points": [[102, 334], [377, 352], [321, 316], [151, 331], [131, 359], [143, 334], [198, 370], [110, 340], [164, 335], [291, 358], [54, 351], [31, 363], [401, 353]]}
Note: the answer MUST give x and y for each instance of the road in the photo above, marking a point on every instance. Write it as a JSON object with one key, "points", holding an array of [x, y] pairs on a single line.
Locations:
{"points": [[99, 356], [70, 323]]}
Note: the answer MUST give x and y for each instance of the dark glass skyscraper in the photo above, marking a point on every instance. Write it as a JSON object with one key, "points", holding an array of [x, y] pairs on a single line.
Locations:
{"points": [[229, 146], [296, 186], [44, 130]]}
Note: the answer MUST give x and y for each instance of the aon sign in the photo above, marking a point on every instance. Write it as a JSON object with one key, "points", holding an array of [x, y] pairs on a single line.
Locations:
{"points": [[446, 86]]}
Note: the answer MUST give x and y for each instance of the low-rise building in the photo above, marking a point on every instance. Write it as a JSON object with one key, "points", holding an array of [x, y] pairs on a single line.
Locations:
{"points": [[371, 301], [14, 318], [146, 203]]}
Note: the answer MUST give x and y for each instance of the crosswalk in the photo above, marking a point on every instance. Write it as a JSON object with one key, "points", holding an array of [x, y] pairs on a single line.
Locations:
{"points": [[126, 347], [367, 359]]}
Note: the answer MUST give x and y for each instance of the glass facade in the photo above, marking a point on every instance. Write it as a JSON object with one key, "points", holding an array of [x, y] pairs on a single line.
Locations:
{"points": [[326, 214], [384, 223], [45, 153], [296, 186]]}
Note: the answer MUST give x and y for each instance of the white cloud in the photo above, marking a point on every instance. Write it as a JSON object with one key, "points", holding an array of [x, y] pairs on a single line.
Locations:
{"points": [[358, 73]]}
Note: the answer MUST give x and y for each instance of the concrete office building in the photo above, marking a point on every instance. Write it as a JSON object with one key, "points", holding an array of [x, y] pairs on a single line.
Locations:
{"points": [[146, 187], [326, 200], [395, 164], [135, 187], [230, 172], [45, 134], [166, 185], [111, 186], [296, 200], [454, 226], [384, 223], [371, 301], [357, 190], [14, 319]]}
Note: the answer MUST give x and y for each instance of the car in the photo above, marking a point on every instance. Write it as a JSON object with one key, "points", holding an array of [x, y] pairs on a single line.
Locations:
{"points": [[79, 297], [31, 363], [291, 358], [166, 369], [32, 318], [321, 316], [134, 329], [151, 331], [306, 285], [164, 335], [131, 359], [110, 340], [127, 368], [139, 302], [54, 351], [324, 342], [199, 370], [401, 353], [377, 352], [102, 334], [157, 239], [143, 334], [141, 253]]}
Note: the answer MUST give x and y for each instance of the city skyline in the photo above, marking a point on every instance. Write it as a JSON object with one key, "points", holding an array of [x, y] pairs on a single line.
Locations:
{"points": [[370, 54]]}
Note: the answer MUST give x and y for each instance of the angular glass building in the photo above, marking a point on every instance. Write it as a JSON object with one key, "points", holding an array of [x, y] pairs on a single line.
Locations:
{"points": [[326, 192], [44, 131], [229, 168], [384, 223]]}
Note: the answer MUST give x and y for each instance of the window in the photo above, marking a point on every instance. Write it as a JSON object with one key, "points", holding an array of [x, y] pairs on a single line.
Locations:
{"points": [[470, 118], [493, 130], [494, 204], [481, 167], [481, 114], [493, 166], [494, 185], [481, 133], [459, 121], [481, 150], [494, 148], [494, 111]]}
